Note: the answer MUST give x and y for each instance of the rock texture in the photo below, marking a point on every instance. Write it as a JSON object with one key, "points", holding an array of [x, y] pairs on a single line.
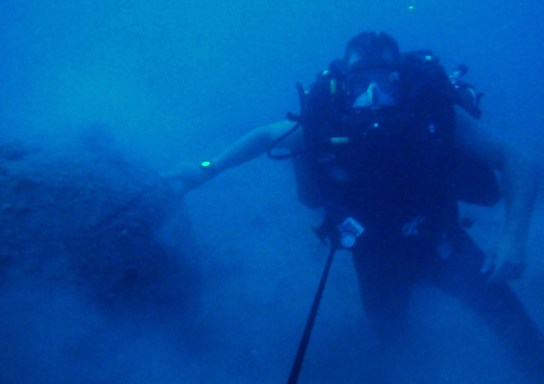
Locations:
{"points": [[90, 220]]}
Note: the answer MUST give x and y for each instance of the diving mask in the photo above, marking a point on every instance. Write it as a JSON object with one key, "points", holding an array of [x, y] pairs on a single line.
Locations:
{"points": [[374, 88]]}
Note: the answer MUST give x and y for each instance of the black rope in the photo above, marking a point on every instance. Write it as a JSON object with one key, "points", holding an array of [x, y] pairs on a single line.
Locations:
{"points": [[305, 339]]}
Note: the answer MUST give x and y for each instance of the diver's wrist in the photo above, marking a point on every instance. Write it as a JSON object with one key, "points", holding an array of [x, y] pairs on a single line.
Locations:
{"points": [[209, 168]]}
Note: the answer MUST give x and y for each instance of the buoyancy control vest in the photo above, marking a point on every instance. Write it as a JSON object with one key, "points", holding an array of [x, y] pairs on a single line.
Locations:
{"points": [[379, 159]]}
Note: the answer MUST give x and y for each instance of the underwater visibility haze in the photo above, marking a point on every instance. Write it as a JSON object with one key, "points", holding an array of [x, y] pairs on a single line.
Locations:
{"points": [[109, 275]]}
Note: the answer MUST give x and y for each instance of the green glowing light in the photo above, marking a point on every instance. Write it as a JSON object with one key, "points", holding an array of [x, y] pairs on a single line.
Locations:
{"points": [[411, 7]]}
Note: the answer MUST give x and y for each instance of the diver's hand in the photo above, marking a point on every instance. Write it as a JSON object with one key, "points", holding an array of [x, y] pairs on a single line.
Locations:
{"points": [[506, 263], [187, 177]]}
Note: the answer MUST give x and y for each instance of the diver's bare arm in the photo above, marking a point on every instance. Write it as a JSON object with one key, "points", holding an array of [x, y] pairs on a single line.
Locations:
{"points": [[519, 173], [520, 186], [250, 146], [519, 182]]}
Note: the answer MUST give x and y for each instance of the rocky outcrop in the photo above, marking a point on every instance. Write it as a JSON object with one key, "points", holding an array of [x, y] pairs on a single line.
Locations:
{"points": [[90, 220]]}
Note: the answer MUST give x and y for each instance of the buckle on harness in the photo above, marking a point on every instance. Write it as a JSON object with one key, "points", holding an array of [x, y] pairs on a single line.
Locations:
{"points": [[345, 234], [350, 230]]}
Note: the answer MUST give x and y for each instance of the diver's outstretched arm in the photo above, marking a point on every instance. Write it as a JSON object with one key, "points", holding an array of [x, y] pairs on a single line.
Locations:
{"points": [[248, 147]]}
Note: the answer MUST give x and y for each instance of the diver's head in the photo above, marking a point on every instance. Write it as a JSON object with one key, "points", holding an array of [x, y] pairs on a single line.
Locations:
{"points": [[373, 61], [369, 50]]}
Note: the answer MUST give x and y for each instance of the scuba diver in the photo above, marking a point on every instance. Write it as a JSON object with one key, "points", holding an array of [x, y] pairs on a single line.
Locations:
{"points": [[387, 144]]}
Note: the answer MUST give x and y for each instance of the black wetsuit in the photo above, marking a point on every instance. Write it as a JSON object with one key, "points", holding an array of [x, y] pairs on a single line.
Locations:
{"points": [[412, 234], [389, 264], [395, 176]]}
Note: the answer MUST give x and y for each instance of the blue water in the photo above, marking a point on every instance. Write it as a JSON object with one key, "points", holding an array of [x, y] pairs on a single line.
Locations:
{"points": [[179, 80]]}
